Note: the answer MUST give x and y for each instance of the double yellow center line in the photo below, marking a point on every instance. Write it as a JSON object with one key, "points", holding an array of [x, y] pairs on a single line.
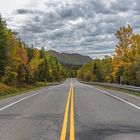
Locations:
{"points": [[69, 106]]}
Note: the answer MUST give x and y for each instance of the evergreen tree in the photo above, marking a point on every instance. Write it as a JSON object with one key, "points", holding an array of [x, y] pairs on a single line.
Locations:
{"points": [[3, 45]]}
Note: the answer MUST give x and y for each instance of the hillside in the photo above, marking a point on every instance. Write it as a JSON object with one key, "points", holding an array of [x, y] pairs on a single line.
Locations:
{"points": [[74, 58]]}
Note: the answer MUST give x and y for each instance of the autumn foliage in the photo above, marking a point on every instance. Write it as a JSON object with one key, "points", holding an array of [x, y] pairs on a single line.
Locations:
{"points": [[122, 67], [21, 65]]}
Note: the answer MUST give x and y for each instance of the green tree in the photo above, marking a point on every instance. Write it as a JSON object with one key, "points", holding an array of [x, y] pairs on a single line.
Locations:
{"points": [[3, 46]]}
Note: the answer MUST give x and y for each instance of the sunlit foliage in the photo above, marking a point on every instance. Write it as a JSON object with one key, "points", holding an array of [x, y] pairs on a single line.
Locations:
{"points": [[21, 64], [122, 67]]}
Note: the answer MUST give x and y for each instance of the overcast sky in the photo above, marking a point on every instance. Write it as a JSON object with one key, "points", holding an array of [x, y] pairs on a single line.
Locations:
{"points": [[79, 26]]}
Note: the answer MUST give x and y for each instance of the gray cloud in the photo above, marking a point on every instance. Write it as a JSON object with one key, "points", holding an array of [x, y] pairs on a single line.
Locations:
{"points": [[85, 27], [24, 11]]}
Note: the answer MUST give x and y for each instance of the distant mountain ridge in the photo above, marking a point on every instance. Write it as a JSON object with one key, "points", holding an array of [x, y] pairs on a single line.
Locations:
{"points": [[73, 58]]}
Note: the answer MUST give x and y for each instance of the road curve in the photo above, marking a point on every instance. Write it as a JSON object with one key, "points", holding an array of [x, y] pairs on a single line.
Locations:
{"points": [[91, 114]]}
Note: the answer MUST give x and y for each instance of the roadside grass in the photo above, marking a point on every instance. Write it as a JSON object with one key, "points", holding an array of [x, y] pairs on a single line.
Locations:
{"points": [[4, 89], [8, 91]]}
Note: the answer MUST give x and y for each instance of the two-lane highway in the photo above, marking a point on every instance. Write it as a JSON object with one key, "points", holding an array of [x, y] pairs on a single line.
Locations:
{"points": [[70, 111]]}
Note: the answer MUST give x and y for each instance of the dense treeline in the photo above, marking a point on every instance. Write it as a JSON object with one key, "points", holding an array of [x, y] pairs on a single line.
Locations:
{"points": [[122, 67], [21, 65], [71, 70]]}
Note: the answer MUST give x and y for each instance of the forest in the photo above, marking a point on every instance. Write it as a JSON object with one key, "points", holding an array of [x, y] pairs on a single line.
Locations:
{"points": [[22, 65], [123, 67]]}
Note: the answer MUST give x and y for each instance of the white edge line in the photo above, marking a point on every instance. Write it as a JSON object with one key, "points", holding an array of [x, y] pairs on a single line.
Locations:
{"points": [[118, 98], [5, 107], [18, 101], [51, 87]]}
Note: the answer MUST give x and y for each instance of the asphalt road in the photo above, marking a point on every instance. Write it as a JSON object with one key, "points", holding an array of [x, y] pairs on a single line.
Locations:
{"points": [[70, 111]]}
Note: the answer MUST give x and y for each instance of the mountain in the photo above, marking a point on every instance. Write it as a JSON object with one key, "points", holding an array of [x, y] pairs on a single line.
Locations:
{"points": [[73, 59]]}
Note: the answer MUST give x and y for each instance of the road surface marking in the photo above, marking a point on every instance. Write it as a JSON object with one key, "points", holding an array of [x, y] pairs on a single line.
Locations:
{"points": [[64, 128], [69, 106], [18, 101], [131, 104], [72, 128], [9, 105]]}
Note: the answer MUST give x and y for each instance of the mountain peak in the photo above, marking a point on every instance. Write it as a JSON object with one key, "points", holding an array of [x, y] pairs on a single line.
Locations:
{"points": [[70, 58]]}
